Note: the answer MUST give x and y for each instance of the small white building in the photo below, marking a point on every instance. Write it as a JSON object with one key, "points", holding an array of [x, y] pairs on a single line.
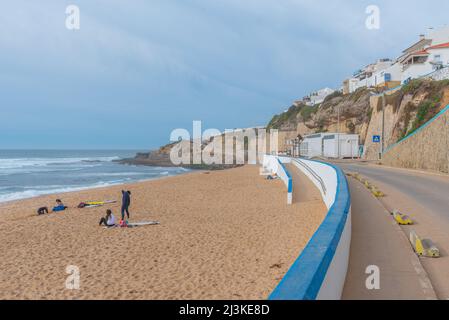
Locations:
{"points": [[317, 97], [330, 145], [340, 146]]}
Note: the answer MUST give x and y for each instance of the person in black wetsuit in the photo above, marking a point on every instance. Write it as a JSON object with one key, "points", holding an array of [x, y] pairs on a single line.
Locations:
{"points": [[42, 211], [126, 202]]}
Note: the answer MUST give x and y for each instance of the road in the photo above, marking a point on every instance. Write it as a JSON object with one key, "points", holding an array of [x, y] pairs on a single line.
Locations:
{"points": [[424, 197], [431, 191], [376, 241]]}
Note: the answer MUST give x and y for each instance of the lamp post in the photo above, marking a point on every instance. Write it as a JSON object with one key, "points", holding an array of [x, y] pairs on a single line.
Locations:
{"points": [[383, 126]]}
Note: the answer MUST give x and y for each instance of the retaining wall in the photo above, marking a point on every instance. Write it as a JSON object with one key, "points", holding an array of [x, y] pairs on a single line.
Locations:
{"points": [[320, 271], [427, 148], [276, 166]]}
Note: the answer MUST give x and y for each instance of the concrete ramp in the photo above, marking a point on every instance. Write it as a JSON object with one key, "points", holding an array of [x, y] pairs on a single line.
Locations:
{"points": [[303, 189]]}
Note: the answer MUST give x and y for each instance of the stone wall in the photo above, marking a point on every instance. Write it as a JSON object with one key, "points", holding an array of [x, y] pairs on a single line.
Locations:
{"points": [[372, 150], [426, 149]]}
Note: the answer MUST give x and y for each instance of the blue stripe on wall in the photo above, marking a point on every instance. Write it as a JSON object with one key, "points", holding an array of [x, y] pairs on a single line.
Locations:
{"points": [[290, 180], [305, 278]]}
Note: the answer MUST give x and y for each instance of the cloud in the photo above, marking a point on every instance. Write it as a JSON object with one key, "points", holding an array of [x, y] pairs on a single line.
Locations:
{"points": [[144, 69]]}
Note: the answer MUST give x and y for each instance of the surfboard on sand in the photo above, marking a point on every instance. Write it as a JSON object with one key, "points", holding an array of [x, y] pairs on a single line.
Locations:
{"points": [[95, 204], [137, 224], [143, 223]]}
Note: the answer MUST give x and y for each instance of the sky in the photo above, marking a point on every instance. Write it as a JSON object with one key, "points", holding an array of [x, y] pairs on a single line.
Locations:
{"points": [[136, 70]]}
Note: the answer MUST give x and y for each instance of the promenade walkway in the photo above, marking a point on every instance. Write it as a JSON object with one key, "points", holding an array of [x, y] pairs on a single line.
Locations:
{"points": [[378, 241]]}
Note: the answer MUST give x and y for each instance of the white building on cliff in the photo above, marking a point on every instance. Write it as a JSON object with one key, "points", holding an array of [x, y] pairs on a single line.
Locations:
{"points": [[317, 97], [422, 58]]}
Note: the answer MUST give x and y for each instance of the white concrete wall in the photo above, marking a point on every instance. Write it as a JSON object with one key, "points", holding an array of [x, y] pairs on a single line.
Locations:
{"points": [[271, 163], [416, 71], [306, 279], [443, 53], [334, 282]]}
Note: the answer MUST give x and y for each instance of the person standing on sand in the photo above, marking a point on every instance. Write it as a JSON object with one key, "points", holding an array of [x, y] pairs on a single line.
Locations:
{"points": [[126, 202]]}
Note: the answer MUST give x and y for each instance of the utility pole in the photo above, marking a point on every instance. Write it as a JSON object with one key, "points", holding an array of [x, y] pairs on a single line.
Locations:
{"points": [[338, 132], [383, 126]]}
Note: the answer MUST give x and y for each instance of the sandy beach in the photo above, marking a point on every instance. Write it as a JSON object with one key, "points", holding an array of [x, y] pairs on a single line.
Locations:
{"points": [[223, 235]]}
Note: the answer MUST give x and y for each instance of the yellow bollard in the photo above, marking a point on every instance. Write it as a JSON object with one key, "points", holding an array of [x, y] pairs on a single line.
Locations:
{"points": [[402, 219], [424, 248]]}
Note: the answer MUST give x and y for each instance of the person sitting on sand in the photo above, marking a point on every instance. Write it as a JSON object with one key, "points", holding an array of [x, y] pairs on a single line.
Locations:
{"points": [[42, 211], [126, 202], [109, 220], [59, 206]]}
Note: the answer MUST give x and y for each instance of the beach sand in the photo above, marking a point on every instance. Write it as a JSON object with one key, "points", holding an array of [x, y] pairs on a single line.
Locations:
{"points": [[223, 235]]}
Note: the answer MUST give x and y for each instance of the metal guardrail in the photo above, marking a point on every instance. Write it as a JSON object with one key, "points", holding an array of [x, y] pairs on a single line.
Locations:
{"points": [[313, 173]]}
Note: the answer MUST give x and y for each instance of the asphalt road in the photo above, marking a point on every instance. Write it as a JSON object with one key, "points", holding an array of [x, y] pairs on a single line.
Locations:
{"points": [[376, 241], [425, 198], [431, 191]]}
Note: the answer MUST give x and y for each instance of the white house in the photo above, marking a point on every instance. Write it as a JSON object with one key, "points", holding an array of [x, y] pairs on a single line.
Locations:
{"points": [[422, 58], [430, 53], [370, 76], [318, 97]]}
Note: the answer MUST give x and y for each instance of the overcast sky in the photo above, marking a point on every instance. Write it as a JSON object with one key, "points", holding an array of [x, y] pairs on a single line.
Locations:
{"points": [[136, 70]]}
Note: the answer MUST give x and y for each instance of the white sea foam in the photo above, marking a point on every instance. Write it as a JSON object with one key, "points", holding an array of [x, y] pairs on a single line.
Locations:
{"points": [[15, 163], [36, 191], [24, 177]]}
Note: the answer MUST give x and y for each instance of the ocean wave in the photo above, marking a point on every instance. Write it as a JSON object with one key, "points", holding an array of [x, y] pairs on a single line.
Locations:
{"points": [[16, 163], [35, 192], [112, 174]]}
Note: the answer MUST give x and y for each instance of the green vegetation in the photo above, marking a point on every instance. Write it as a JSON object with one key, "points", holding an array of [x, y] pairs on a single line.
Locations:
{"points": [[412, 86], [288, 116], [426, 110], [350, 126], [308, 111], [405, 119], [370, 114]]}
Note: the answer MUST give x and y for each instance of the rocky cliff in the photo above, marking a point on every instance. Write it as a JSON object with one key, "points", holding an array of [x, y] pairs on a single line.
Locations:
{"points": [[406, 109]]}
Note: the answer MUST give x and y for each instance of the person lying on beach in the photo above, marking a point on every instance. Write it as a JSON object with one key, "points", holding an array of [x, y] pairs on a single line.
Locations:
{"points": [[126, 202], [59, 206], [42, 211], [109, 220]]}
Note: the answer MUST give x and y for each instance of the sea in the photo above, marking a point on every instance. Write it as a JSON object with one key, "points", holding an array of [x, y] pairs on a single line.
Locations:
{"points": [[30, 173]]}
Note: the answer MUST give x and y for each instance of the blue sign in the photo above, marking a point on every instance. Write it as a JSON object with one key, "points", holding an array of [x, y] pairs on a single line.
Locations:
{"points": [[376, 139]]}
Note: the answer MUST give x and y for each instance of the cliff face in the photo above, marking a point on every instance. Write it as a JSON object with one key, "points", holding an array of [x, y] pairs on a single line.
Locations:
{"points": [[161, 157], [406, 110]]}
